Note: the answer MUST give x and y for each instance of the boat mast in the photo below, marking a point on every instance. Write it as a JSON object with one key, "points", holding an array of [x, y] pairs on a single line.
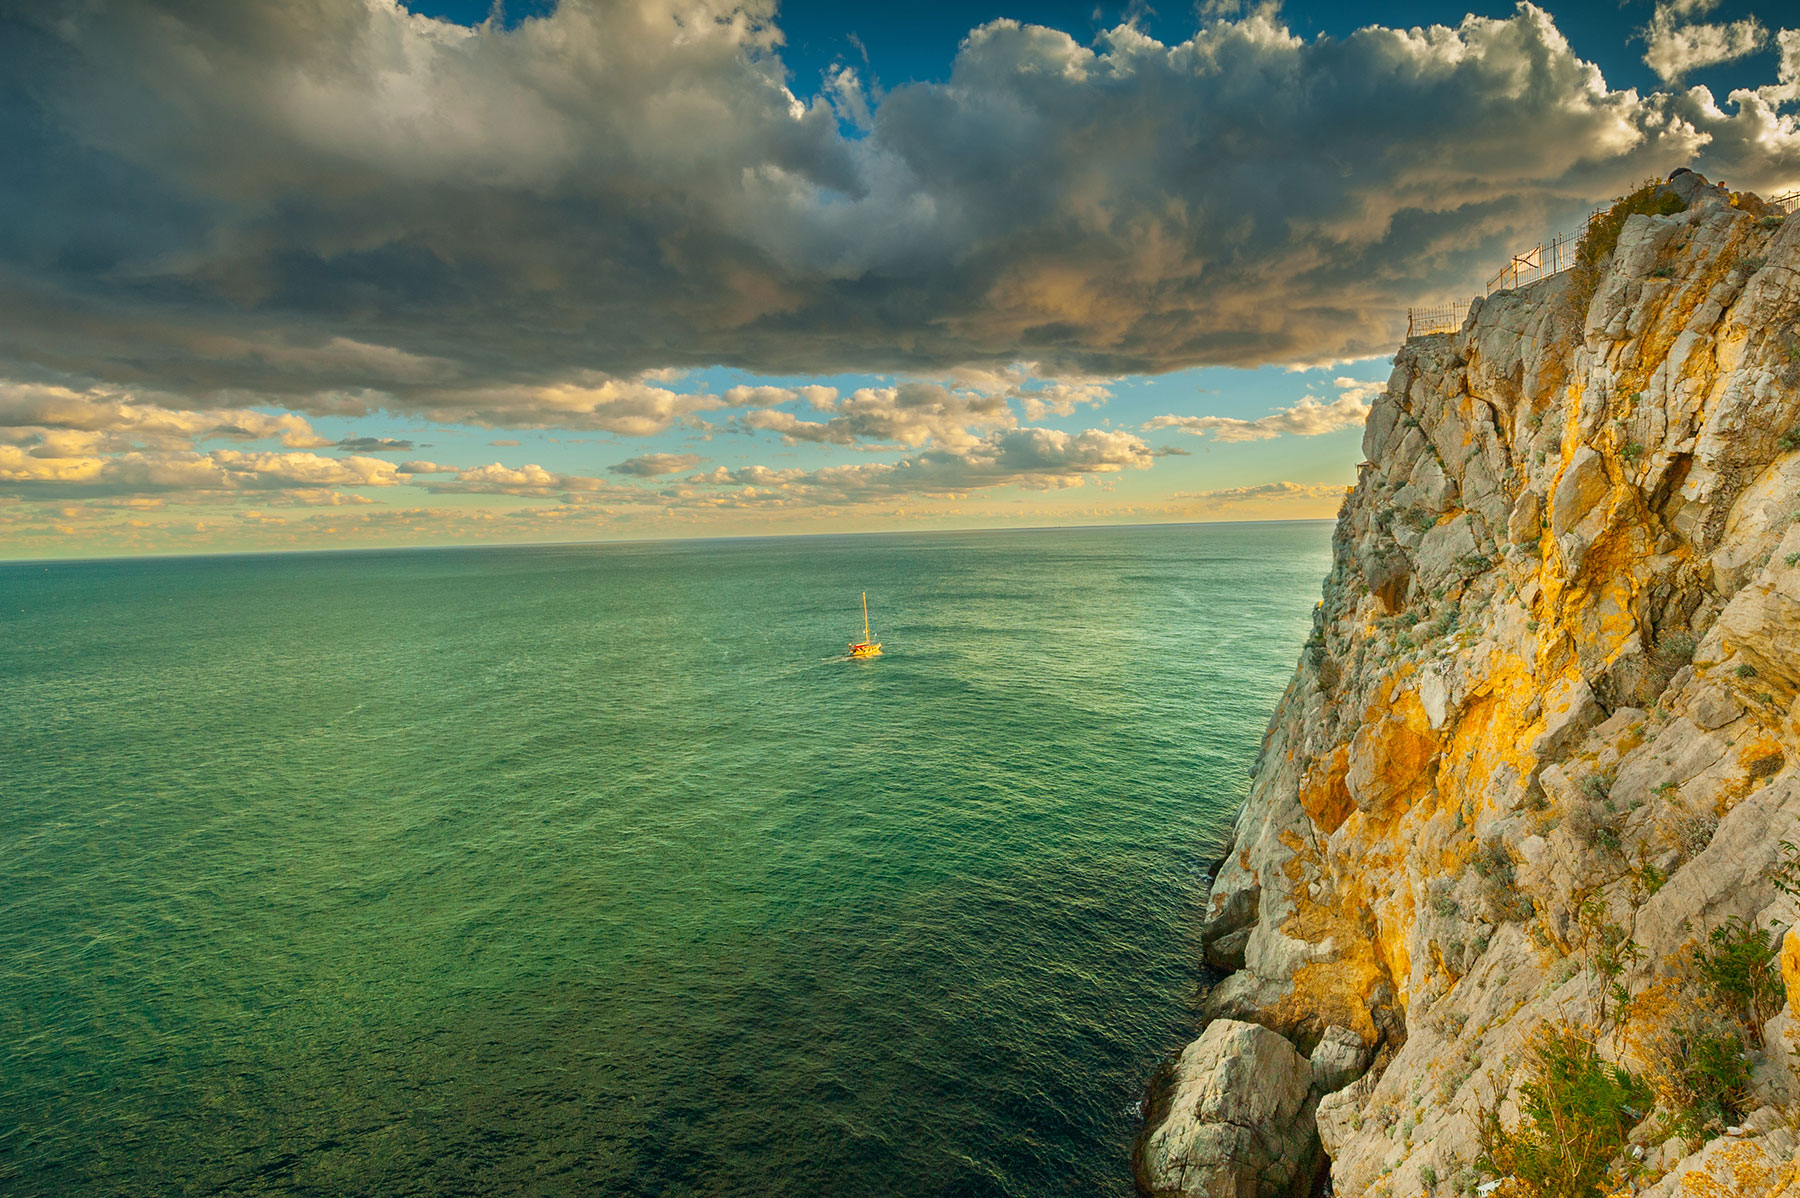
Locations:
{"points": [[865, 617]]}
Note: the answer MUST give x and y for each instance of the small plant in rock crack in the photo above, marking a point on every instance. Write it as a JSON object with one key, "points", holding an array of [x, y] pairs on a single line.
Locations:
{"points": [[1689, 833], [1574, 1118], [1474, 563], [1672, 650], [1693, 1055], [1739, 965], [1785, 873], [1492, 860]]}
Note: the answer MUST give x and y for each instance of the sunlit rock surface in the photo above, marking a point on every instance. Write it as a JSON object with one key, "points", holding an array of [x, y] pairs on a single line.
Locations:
{"points": [[1557, 654]]}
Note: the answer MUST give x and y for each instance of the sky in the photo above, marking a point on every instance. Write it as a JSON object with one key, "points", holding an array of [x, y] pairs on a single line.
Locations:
{"points": [[343, 273]]}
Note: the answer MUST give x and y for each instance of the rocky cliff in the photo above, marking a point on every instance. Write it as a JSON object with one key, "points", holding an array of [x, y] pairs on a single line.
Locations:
{"points": [[1513, 859]]}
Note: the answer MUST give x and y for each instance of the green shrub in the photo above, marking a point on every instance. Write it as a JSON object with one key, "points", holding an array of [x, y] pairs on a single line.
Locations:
{"points": [[1575, 1116], [1789, 439], [1492, 860], [1602, 235], [1745, 670], [1739, 965], [1672, 650], [1474, 563], [1446, 621], [1692, 1053], [1785, 873]]}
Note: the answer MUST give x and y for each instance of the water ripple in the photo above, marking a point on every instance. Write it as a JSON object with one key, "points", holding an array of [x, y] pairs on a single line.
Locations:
{"points": [[595, 870]]}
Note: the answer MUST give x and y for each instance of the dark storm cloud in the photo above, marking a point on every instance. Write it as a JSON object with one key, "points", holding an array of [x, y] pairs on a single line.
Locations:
{"points": [[339, 206]]}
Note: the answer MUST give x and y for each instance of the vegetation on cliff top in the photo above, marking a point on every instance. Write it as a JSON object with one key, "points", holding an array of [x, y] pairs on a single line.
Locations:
{"points": [[1602, 234]]}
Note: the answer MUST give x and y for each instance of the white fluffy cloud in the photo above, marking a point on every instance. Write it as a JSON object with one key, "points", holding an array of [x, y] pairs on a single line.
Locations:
{"points": [[58, 419], [1675, 46], [1308, 417], [1033, 458], [187, 470], [633, 407], [910, 414]]}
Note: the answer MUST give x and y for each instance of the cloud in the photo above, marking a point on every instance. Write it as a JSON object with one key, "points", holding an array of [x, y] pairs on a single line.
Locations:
{"points": [[1033, 458], [1228, 496], [375, 445], [651, 465], [822, 399], [344, 206], [910, 413], [105, 419], [1309, 417], [221, 470], [587, 400], [535, 480], [1675, 47]]}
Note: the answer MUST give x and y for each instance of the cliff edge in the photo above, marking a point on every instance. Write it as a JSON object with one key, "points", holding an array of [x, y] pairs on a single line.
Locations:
{"points": [[1521, 847]]}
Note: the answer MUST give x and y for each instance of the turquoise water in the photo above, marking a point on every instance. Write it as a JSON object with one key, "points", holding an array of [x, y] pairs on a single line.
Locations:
{"points": [[595, 869]]}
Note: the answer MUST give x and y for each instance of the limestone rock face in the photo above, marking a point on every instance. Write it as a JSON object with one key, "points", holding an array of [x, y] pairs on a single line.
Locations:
{"points": [[1554, 680], [1240, 1120]]}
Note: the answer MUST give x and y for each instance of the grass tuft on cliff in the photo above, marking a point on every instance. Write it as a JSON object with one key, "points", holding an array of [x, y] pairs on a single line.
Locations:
{"points": [[1575, 1118]]}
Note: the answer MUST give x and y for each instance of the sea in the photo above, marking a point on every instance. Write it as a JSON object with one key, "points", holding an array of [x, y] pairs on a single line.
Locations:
{"points": [[601, 869]]}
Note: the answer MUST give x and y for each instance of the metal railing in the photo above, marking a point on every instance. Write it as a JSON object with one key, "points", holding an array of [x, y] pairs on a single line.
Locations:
{"points": [[1537, 263], [1421, 322], [1540, 262]]}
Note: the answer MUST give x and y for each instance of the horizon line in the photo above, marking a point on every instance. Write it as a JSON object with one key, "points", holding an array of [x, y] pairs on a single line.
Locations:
{"points": [[776, 536]]}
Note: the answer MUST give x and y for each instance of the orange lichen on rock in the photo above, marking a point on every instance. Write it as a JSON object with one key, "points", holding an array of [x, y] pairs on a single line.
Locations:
{"points": [[1340, 988], [1323, 795], [1490, 739], [1394, 753], [1741, 1171]]}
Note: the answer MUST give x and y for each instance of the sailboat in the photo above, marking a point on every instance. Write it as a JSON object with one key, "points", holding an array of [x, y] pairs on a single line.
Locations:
{"points": [[868, 646]]}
